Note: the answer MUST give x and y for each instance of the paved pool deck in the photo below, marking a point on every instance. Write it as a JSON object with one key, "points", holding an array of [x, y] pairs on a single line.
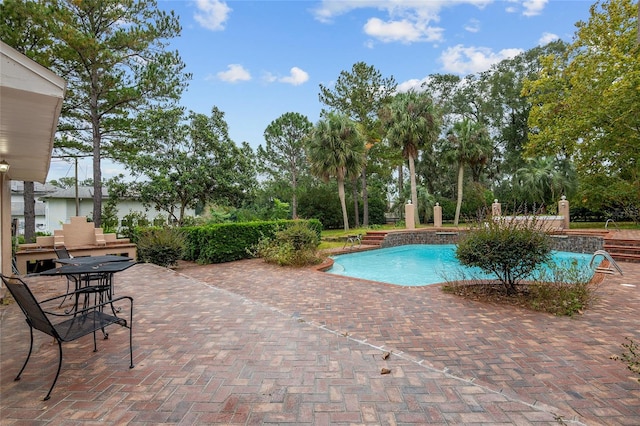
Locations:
{"points": [[245, 343]]}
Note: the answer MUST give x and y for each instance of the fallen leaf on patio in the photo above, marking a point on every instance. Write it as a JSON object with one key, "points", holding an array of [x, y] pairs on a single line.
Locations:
{"points": [[385, 371], [386, 355]]}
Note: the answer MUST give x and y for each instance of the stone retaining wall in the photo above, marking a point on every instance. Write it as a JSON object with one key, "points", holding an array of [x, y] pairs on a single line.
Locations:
{"points": [[402, 238], [577, 243], [572, 243]]}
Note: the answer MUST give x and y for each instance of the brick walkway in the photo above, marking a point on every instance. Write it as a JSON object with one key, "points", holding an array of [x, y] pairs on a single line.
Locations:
{"points": [[249, 343]]}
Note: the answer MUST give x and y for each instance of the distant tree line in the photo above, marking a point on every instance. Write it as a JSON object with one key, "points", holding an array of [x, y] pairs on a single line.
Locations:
{"points": [[559, 119]]}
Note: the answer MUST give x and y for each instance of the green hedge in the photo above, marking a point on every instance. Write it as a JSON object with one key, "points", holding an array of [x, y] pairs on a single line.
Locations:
{"points": [[226, 242]]}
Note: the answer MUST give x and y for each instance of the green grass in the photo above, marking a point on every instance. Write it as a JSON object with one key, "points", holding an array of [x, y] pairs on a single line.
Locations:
{"points": [[328, 245], [600, 225]]}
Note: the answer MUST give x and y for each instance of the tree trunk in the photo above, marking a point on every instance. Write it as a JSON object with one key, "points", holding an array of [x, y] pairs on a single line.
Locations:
{"points": [[356, 210], [343, 204], [460, 188], [365, 198], [97, 188], [414, 188], [294, 206], [294, 197], [182, 209], [97, 142], [400, 179], [29, 213], [400, 189]]}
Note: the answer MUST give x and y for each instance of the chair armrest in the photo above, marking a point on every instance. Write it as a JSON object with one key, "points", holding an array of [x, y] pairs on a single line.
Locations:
{"points": [[64, 295], [90, 308]]}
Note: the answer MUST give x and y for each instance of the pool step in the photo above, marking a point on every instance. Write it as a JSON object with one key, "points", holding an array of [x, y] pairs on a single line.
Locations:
{"points": [[623, 250], [374, 238]]}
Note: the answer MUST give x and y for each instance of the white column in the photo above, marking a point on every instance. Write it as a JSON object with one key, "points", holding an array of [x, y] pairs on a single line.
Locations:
{"points": [[496, 208], [563, 210], [437, 215], [410, 216]]}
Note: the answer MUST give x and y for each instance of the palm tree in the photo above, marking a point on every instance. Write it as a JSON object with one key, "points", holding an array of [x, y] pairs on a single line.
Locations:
{"points": [[336, 149], [412, 125], [467, 143], [545, 178]]}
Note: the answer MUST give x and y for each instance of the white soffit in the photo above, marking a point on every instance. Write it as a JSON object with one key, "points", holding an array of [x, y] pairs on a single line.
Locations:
{"points": [[30, 102]]}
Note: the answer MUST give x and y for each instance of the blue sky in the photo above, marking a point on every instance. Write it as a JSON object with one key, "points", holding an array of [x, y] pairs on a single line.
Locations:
{"points": [[256, 60]]}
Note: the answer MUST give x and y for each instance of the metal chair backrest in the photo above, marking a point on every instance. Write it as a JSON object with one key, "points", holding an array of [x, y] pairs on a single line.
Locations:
{"points": [[34, 314], [62, 253]]}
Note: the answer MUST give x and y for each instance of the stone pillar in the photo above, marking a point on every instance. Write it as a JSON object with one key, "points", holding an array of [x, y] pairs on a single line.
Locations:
{"points": [[563, 210], [496, 208], [437, 215], [410, 216]]}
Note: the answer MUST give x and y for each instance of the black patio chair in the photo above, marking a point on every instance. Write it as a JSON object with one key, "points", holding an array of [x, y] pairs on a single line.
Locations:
{"points": [[77, 324], [97, 284], [63, 253]]}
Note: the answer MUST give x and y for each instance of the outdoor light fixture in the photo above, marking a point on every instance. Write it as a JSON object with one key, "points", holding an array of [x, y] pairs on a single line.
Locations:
{"points": [[4, 166]]}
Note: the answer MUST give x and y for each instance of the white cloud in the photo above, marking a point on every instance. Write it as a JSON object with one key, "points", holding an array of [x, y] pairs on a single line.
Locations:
{"points": [[547, 38], [269, 77], [404, 31], [412, 84], [296, 77], [234, 73], [469, 60], [407, 21], [533, 7], [473, 26], [212, 14], [328, 9]]}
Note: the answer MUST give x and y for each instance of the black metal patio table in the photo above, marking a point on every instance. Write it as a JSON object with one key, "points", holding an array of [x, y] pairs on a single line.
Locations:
{"points": [[93, 260], [84, 274]]}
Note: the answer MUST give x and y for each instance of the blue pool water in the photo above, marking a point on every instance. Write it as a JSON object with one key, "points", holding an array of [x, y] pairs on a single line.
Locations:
{"points": [[416, 265]]}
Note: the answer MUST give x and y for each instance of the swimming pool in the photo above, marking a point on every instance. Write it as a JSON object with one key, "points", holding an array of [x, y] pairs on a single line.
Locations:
{"points": [[421, 264]]}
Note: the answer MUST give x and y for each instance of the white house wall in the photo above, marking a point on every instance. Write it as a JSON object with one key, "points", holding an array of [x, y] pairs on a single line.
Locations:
{"points": [[60, 210], [128, 206]]}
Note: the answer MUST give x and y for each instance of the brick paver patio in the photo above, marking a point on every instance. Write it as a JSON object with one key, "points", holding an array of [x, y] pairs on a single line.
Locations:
{"points": [[250, 343]]}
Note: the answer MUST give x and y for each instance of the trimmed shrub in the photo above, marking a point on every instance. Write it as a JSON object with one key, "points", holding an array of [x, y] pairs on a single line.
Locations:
{"points": [[226, 242], [294, 245], [162, 246], [509, 249]]}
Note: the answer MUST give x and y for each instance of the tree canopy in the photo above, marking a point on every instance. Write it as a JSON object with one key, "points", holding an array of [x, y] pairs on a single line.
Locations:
{"points": [[335, 150], [412, 124], [283, 155], [359, 95], [187, 165], [112, 53], [586, 103]]}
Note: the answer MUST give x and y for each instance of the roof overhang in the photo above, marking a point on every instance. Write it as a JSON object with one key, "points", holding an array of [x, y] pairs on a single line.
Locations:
{"points": [[30, 103]]}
